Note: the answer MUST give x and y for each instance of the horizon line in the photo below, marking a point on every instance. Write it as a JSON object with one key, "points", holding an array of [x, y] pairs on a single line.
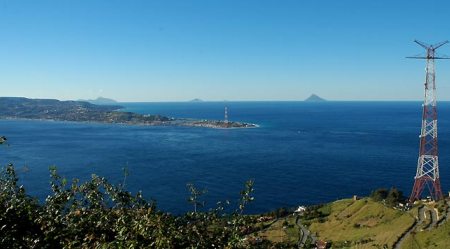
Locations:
{"points": [[217, 101]]}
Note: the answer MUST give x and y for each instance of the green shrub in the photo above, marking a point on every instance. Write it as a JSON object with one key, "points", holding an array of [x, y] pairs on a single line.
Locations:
{"points": [[97, 214], [392, 196], [379, 194]]}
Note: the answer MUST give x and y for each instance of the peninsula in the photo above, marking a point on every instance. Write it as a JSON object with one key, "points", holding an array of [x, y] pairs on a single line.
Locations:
{"points": [[82, 111]]}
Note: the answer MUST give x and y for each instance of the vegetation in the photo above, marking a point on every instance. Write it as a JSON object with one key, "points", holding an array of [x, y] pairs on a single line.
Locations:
{"points": [[52, 109], [379, 194], [316, 213], [280, 212], [436, 238], [283, 230], [97, 214], [392, 197], [194, 199], [362, 224]]}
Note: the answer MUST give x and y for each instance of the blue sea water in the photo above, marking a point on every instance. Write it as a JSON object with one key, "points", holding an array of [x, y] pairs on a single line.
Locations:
{"points": [[302, 153]]}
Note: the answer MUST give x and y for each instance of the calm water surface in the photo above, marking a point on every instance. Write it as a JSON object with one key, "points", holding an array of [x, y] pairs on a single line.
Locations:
{"points": [[303, 153]]}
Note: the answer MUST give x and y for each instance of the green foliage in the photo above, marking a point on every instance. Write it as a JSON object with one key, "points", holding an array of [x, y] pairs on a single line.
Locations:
{"points": [[316, 212], [391, 197], [279, 212], [194, 198], [394, 197], [98, 214], [379, 194], [17, 213]]}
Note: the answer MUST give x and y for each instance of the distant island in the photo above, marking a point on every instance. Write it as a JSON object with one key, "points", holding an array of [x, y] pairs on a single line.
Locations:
{"points": [[100, 101], [82, 111], [315, 98], [196, 100]]}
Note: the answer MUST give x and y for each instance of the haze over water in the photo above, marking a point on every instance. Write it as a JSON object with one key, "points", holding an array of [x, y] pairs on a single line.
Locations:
{"points": [[303, 153]]}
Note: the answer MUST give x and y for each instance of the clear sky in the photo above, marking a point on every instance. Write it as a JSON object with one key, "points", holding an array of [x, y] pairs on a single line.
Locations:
{"points": [[220, 50]]}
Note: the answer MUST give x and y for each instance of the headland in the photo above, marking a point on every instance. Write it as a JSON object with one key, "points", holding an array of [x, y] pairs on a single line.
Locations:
{"points": [[83, 111]]}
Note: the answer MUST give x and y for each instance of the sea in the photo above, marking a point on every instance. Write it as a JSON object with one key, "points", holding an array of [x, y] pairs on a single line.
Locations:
{"points": [[302, 153]]}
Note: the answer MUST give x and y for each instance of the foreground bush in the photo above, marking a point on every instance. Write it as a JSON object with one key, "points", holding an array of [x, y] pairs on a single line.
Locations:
{"points": [[97, 214]]}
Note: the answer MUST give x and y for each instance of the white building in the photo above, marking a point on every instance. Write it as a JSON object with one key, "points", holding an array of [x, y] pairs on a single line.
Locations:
{"points": [[300, 209]]}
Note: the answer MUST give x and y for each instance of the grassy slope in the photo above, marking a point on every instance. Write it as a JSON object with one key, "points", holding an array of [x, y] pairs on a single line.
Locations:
{"points": [[437, 238], [276, 232], [363, 224], [366, 223]]}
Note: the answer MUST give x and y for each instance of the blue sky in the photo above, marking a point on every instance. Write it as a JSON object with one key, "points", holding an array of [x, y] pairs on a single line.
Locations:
{"points": [[219, 50]]}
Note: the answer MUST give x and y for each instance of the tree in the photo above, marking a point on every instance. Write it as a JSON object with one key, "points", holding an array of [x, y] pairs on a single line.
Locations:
{"points": [[379, 194], [394, 197]]}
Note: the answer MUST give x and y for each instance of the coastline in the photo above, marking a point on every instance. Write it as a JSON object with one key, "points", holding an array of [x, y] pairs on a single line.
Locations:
{"points": [[173, 122]]}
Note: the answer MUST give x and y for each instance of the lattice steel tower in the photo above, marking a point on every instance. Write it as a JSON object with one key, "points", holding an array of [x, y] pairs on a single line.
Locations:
{"points": [[427, 174]]}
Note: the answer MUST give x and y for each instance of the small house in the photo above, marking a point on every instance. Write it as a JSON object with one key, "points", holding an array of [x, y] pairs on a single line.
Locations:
{"points": [[300, 210]]}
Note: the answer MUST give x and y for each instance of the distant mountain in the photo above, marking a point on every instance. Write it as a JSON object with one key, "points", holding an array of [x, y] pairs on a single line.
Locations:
{"points": [[196, 100], [100, 101], [315, 98]]}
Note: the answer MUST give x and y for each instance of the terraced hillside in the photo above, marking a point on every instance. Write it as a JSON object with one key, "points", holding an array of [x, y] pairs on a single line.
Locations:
{"points": [[432, 230], [343, 224], [362, 224]]}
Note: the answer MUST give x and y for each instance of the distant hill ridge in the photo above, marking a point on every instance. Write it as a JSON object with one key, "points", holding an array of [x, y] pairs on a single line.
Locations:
{"points": [[100, 101], [53, 109]]}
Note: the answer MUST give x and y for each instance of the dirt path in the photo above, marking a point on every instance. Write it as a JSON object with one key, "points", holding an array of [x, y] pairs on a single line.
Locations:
{"points": [[304, 234], [419, 221], [448, 211], [423, 213], [445, 216], [434, 218]]}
